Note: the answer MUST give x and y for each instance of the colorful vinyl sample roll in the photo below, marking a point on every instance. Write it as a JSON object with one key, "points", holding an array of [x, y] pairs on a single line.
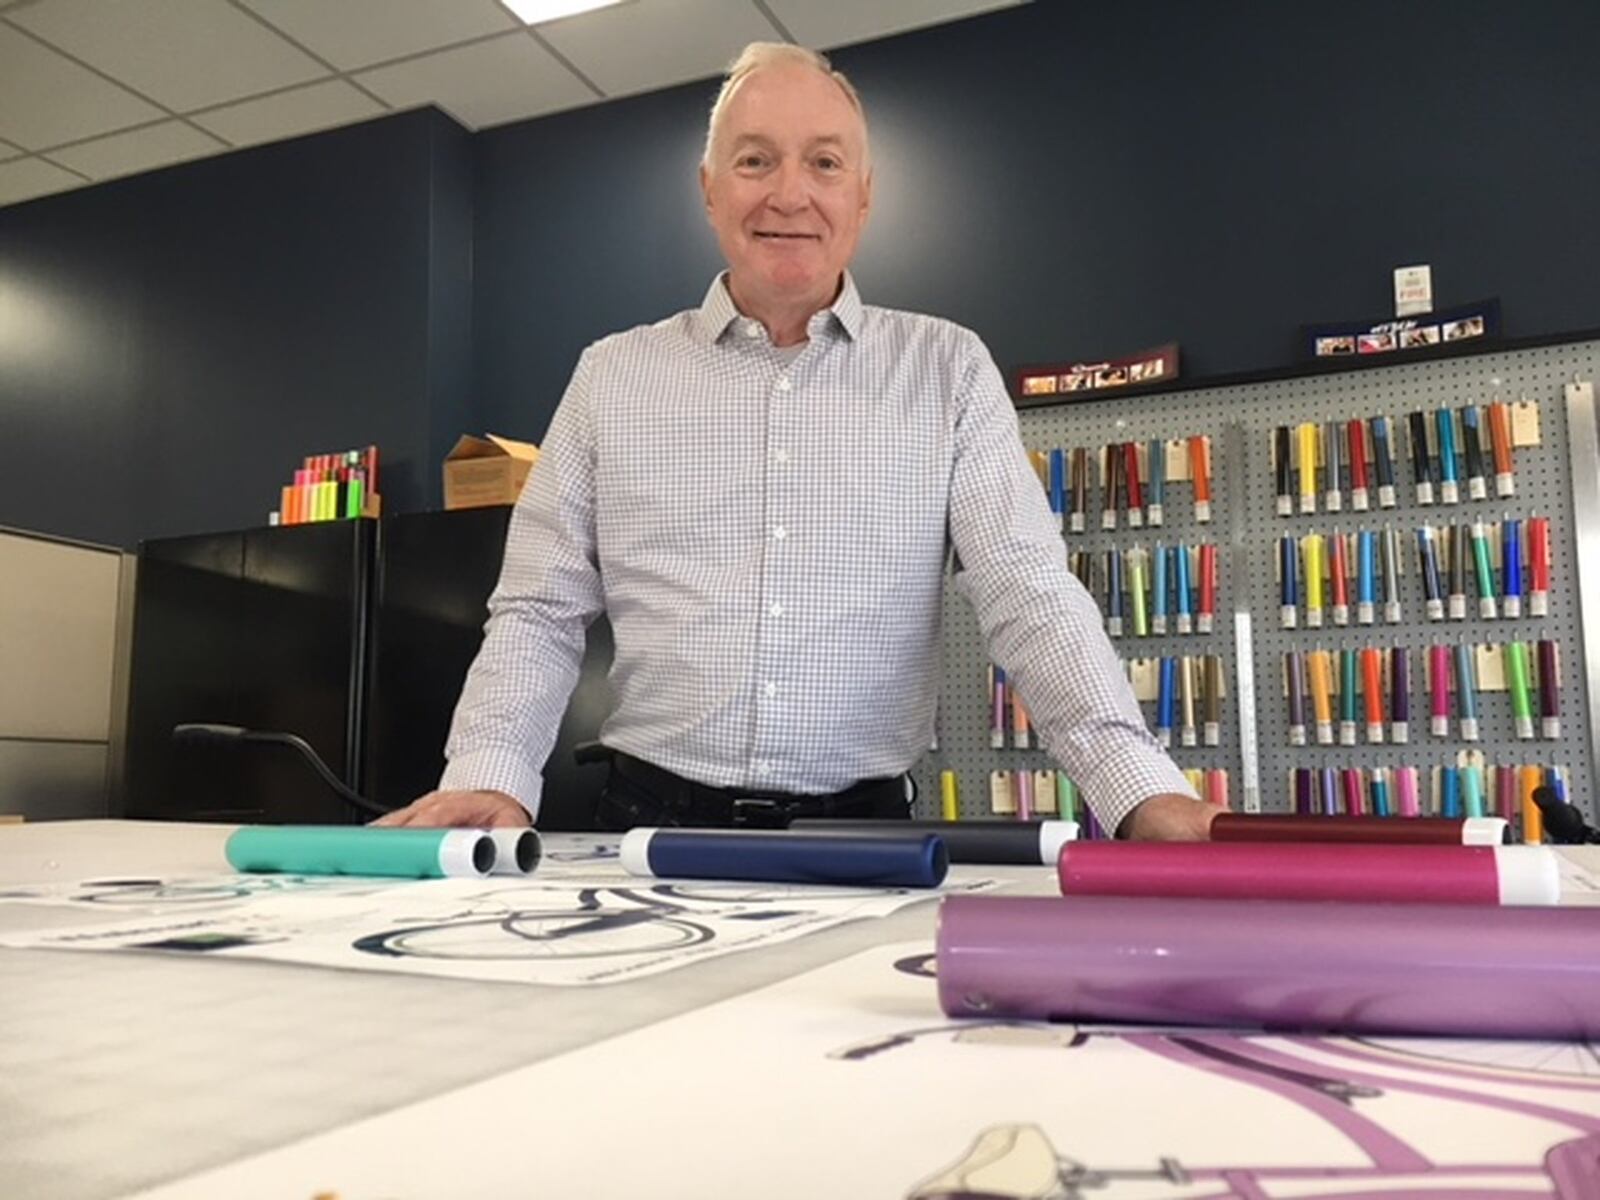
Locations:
{"points": [[362, 850], [1446, 969], [917, 860], [1420, 874], [1200, 473], [1030, 843], [1415, 831]]}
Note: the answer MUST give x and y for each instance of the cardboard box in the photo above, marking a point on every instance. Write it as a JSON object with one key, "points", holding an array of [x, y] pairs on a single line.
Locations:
{"points": [[489, 470]]}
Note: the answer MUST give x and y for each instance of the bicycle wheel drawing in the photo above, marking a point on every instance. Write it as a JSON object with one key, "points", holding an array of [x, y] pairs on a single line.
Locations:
{"points": [[541, 935]]}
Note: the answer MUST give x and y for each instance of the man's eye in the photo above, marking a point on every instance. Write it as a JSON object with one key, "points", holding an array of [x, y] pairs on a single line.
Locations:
{"points": [[751, 161], [827, 162]]}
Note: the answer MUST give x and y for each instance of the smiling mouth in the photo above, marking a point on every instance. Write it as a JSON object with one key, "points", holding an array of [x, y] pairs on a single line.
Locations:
{"points": [[786, 237]]}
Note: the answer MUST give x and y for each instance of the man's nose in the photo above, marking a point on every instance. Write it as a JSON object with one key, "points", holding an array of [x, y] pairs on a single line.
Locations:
{"points": [[790, 189]]}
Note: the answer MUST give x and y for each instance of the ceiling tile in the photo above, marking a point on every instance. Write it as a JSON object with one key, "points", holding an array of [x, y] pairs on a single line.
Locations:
{"points": [[825, 24], [181, 53], [637, 47], [46, 100], [358, 33], [488, 83], [287, 114], [136, 150], [29, 177]]}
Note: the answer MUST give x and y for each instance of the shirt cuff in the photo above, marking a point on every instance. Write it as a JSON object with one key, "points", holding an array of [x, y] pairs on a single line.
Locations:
{"points": [[1122, 782], [495, 770]]}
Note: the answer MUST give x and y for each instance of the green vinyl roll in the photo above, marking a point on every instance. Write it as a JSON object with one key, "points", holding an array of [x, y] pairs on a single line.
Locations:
{"points": [[361, 850]]}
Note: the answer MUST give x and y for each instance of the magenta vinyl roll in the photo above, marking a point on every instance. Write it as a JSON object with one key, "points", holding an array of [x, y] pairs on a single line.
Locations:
{"points": [[1421, 874], [1429, 969]]}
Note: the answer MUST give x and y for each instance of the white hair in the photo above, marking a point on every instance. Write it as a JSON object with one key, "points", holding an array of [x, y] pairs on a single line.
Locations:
{"points": [[758, 56]]}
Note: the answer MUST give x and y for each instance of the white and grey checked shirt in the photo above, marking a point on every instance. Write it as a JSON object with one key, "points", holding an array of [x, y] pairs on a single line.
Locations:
{"points": [[768, 534]]}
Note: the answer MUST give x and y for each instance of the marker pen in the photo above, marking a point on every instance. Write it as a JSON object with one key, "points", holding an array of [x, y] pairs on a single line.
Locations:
{"points": [[1136, 581], [1294, 674], [1488, 609], [1166, 699], [1405, 792], [1320, 668], [1528, 781], [1505, 480], [1472, 790], [1080, 488], [1399, 695], [1356, 439], [1211, 731], [1186, 689], [1308, 438], [1114, 593], [780, 856], [997, 842], [1158, 590], [1516, 659], [1511, 566], [1200, 471], [1366, 575], [1460, 556], [1181, 597], [1421, 461], [1549, 689], [1444, 421], [1472, 440], [1205, 619], [1130, 472], [1391, 575], [997, 708], [1332, 494], [1439, 689], [1383, 461], [1449, 792], [1372, 691], [1156, 492], [1311, 554], [1467, 691], [1058, 486], [1283, 470], [1538, 566], [1432, 589], [1288, 582], [1347, 697], [1339, 579], [949, 796], [1113, 483]]}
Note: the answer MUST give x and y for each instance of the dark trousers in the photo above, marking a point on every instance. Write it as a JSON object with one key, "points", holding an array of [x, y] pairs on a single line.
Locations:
{"points": [[640, 793]]}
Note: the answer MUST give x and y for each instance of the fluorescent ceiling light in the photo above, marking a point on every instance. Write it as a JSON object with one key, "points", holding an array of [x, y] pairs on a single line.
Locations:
{"points": [[534, 12]]}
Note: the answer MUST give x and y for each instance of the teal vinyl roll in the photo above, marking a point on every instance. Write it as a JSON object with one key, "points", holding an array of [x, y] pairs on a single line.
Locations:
{"points": [[362, 850]]}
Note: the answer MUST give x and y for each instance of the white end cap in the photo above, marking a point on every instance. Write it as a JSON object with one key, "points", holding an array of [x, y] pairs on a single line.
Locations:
{"points": [[465, 854], [516, 851], [1528, 874], [1483, 831], [635, 851], [1052, 836]]}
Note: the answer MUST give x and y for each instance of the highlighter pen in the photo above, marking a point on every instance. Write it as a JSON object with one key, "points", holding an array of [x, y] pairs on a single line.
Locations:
{"points": [[1058, 486], [1332, 493], [1421, 461], [1205, 618], [1294, 675], [1372, 691], [1406, 798], [1391, 575], [1383, 461], [1439, 690], [1511, 566], [1366, 575], [1338, 579], [1114, 592], [1180, 582], [1136, 580], [1549, 689], [1320, 668], [1156, 498], [1021, 727], [1283, 470], [1399, 695], [1460, 554], [1328, 791], [1200, 472], [1472, 791], [997, 708], [1356, 441], [1186, 688], [1472, 444], [1467, 691], [1347, 697], [1158, 590], [1445, 422], [1450, 792], [1516, 658], [1080, 488], [1488, 609], [1380, 792], [1303, 804], [1166, 700], [1112, 461], [779, 856], [1505, 794], [1211, 694], [1130, 472], [1355, 799], [1311, 547], [949, 796], [1505, 480], [1432, 589], [1528, 781], [1288, 582], [1538, 566], [1308, 438], [1024, 787]]}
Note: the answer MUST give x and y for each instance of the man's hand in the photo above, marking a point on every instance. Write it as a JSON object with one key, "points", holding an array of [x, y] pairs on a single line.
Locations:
{"points": [[1169, 818], [474, 810]]}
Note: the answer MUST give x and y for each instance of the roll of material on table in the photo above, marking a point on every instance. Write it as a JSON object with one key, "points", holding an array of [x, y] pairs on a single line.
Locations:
{"points": [[1294, 827], [781, 857], [361, 850], [1033, 843], [1357, 968]]}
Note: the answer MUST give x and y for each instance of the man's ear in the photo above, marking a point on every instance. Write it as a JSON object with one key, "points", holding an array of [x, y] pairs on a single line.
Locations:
{"points": [[866, 197], [705, 187]]}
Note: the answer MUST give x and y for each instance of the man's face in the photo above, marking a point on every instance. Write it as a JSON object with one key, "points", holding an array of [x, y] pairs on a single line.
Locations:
{"points": [[787, 188]]}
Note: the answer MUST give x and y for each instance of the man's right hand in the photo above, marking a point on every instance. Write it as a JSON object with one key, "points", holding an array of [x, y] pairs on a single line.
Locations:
{"points": [[474, 810]]}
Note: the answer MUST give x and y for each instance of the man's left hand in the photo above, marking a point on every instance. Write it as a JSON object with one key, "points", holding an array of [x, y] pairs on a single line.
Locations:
{"points": [[1169, 817]]}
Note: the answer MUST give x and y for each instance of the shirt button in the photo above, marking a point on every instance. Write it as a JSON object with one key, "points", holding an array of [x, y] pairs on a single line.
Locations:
{"points": [[771, 690], [783, 383], [781, 455], [780, 533], [776, 610], [763, 767]]}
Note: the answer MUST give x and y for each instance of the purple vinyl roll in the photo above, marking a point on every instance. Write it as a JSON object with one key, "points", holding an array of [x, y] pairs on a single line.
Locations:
{"points": [[1334, 967]]}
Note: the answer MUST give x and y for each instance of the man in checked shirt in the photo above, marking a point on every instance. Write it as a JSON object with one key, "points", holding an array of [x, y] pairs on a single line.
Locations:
{"points": [[760, 493]]}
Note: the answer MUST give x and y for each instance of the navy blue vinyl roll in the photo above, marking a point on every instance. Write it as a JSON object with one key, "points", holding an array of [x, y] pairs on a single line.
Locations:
{"points": [[916, 860]]}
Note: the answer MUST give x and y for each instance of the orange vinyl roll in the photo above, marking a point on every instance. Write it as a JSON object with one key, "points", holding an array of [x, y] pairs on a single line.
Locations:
{"points": [[1500, 437], [1372, 684], [1200, 466]]}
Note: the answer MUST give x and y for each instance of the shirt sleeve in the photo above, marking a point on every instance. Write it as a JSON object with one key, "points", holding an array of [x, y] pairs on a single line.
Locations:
{"points": [[1039, 622], [517, 690]]}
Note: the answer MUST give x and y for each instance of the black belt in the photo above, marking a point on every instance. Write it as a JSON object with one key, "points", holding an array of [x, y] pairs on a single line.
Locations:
{"points": [[686, 802]]}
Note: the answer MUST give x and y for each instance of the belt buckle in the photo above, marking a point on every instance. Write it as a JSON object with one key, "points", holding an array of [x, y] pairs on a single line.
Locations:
{"points": [[759, 812]]}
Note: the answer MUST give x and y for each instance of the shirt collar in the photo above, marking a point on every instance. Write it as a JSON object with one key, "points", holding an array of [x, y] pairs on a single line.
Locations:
{"points": [[717, 312]]}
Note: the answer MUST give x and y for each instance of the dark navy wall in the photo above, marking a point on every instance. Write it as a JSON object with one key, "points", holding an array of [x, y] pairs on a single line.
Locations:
{"points": [[1077, 179]]}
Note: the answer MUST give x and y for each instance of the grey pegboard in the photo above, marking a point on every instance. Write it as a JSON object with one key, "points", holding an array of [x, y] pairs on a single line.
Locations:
{"points": [[1245, 497]]}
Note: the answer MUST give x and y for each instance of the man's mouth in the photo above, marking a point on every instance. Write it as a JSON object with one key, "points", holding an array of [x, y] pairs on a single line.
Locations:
{"points": [[776, 236]]}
